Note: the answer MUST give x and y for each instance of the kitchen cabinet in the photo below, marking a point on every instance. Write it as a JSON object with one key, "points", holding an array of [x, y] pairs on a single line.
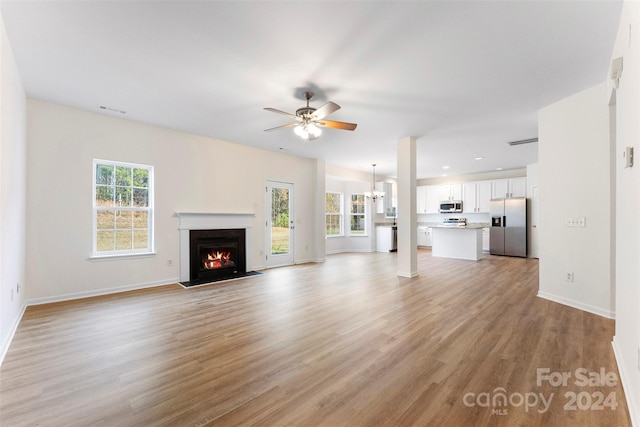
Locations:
{"points": [[424, 236], [383, 205], [421, 199], [512, 187], [427, 199], [433, 199], [449, 192], [457, 242], [476, 197], [486, 235]]}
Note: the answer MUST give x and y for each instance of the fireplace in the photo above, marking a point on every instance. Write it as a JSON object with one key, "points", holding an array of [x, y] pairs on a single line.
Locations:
{"points": [[216, 255], [213, 226]]}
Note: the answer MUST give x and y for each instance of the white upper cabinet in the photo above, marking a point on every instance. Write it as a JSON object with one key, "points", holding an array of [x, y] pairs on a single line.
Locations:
{"points": [[449, 192], [476, 197], [483, 196], [433, 198], [421, 199], [469, 197], [384, 204], [512, 187]]}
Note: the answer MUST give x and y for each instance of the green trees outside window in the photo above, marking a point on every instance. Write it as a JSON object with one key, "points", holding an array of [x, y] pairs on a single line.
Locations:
{"points": [[123, 195]]}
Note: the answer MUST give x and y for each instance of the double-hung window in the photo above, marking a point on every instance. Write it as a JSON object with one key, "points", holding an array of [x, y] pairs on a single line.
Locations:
{"points": [[357, 213], [122, 208], [333, 214]]}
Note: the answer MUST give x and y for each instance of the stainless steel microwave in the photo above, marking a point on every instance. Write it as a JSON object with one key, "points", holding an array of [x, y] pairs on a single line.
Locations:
{"points": [[451, 206]]}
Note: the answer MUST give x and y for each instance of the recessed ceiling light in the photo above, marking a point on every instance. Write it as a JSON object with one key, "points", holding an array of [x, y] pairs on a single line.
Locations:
{"points": [[478, 158], [499, 169], [444, 174], [445, 167]]}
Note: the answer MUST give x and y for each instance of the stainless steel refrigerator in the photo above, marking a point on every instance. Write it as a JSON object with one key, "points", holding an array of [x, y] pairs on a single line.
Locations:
{"points": [[508, 227]]}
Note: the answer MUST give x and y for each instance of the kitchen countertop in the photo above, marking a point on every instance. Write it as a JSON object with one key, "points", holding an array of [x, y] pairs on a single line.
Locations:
{"points": [[441, 225], [454, 226]]}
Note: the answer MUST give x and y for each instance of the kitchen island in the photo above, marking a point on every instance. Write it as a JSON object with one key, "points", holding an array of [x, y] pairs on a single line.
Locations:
{"points": [[457, 241]]}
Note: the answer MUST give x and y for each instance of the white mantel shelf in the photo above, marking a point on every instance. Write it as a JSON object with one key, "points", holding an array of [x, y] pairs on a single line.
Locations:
{"points": [[211, 221]]}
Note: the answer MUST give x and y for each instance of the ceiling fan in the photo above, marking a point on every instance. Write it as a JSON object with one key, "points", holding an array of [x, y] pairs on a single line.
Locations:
{"points": [[308, 120]]}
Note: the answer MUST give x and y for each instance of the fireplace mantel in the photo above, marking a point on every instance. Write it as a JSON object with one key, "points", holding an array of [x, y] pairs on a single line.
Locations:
{"points": [[211, 221]]}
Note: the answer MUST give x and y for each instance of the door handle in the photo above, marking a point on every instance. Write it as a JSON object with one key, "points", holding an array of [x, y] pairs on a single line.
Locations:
{"points": [[504, 221]]}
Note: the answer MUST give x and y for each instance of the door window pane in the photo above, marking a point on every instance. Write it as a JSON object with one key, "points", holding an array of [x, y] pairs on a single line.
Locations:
{"points": [[279, 221]]}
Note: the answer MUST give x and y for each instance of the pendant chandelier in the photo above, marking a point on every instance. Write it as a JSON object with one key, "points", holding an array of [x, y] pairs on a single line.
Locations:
{"points": [[374, 194]]}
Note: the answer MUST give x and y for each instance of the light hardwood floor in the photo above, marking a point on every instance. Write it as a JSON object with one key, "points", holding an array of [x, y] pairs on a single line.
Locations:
{"points": [[345, 342]]}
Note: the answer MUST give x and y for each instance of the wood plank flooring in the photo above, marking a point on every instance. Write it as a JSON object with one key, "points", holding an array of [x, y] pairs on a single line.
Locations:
{"points": [[343, 343]]}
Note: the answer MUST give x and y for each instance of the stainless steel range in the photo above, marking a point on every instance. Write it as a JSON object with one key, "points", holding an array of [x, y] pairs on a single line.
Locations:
{"points": [[455, 222]]}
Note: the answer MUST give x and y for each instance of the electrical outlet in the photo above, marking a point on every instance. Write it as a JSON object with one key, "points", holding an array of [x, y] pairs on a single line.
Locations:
{"points": [[569, 276], [169, 262], [576, 222]]}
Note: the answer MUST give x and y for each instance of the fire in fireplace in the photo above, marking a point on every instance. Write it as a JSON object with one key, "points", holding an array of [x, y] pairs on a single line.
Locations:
{"points": [[217, 259], [216, 255]]}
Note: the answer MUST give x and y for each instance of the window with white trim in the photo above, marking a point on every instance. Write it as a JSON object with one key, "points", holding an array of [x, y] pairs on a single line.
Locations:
{"points": [[357, 215], [122, 208], [333, 214]]}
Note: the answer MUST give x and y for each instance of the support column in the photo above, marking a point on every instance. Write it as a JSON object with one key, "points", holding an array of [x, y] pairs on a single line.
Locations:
{"points": [[407, 210], [319, 183]]}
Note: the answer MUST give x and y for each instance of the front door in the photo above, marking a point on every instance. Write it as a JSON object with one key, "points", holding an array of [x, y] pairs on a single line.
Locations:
{"points": [[280, 224]]}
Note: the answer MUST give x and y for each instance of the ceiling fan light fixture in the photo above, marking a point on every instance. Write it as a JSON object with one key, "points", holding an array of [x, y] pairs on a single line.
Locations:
{"points": [[307, 130], [314, 130], [301, 132], [310, 120]]}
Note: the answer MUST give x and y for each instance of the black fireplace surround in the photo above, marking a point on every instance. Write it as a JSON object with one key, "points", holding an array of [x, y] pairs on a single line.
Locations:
{"points": [[216, 255]]}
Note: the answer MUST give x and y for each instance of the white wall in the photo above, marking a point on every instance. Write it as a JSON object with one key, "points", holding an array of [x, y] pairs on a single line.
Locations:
{"points": [[12, 193], [192, 174], [627, 293], [574, 177]]}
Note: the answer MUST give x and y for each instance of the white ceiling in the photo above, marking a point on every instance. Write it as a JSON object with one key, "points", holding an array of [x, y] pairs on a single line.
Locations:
{"points": [[463, 77]]}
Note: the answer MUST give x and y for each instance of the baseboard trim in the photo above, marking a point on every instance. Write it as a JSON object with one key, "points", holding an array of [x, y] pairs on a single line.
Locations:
{"points": [[576, 304], [408, 275], [348, 251], [309, 260], [100, 292], [632, 400], [7, 342]]}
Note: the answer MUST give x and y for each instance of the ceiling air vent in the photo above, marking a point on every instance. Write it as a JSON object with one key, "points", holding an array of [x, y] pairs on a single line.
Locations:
{"points": [[523, 141], [111, 109]]}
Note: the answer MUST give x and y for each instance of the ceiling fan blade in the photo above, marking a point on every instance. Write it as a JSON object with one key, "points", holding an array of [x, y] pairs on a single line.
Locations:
{"points": [[325, 110], [290, 125], [336, 125], [293, 116]]}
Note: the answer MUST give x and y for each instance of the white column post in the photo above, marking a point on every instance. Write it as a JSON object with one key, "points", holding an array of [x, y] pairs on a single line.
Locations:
{"points": [[320, 179], [407, 210]]}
